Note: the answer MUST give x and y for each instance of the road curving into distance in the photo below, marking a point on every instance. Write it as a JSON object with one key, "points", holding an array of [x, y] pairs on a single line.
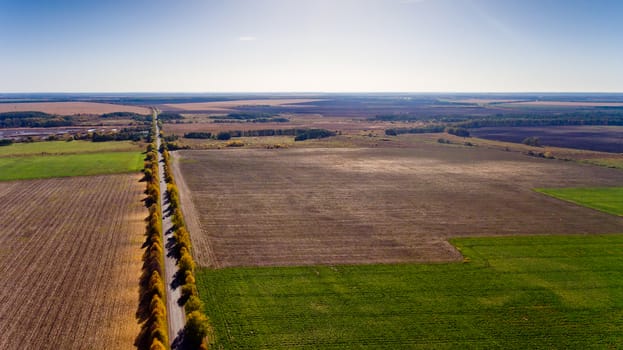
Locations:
{"points": [[175, 313]]}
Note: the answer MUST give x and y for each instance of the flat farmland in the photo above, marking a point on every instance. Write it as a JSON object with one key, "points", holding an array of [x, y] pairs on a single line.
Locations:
{"points": [[64, 147], [38, 167], [596, 138], [222, 106], [537, 292], [365, 205], [70, 108], [565, 104], [69, 262]]}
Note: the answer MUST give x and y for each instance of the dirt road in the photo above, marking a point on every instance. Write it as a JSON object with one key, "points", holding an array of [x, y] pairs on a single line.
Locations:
{"points": [[175, 312]]}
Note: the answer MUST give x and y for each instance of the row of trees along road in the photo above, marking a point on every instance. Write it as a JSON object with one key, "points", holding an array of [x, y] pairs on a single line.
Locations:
{"points": [[152, 311], [197, 326]]}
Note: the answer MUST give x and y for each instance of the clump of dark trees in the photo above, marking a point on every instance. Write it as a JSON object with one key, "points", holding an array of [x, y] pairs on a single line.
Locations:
{"points": [[299, 134], [127, 115], [168, 116], [314, 134], [127, 134], [563, 119], [33, 120], [462, 132], [250, 117], [419, 130]]}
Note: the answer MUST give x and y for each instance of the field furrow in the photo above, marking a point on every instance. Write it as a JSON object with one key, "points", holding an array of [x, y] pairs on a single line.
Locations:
{"points": [[70, 262]]}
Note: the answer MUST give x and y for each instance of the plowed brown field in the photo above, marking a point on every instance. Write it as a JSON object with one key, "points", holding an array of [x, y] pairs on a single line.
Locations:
{"points": [[70, 262], [352, 206]]}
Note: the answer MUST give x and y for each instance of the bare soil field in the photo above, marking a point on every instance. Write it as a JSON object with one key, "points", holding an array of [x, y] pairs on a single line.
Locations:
{"points": [[365, 205], [223, 106], [70, 263], [71, 108], [596, 138]]}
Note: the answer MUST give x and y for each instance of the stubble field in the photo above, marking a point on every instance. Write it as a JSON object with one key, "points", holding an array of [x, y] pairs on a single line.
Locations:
{"points": [[69, 262], [352, 206]]}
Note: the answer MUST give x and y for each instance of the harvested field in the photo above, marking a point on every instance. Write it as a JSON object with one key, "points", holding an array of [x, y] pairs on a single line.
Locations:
{"points": [[70, 108], [351, 206], [69, 262], [595, 138], [220, 106]]}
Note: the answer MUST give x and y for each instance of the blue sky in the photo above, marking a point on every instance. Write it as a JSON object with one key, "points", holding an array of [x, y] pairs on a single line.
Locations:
{"points": [[311, 45]]}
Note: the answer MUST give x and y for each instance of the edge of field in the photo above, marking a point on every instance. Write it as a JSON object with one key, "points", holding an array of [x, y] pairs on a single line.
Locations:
{"points": [[191, 216], [605, 199]]}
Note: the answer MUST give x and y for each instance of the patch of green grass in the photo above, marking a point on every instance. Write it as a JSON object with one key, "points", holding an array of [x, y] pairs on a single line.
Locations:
{"points": [[35, 167], [606, 199], [554, 292], [616, 163], [64, 147]]}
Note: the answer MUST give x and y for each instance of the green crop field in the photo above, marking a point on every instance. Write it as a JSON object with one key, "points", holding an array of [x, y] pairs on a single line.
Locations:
{"points": [[36, 167], [63, 147], [607, 199], [517, 292]]}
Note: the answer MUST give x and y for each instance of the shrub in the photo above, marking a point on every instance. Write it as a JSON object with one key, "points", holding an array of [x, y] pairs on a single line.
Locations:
{"points": [[313, 134], [235, 143], [198, 135], [157, 345], [186, 262], [193, 304], [462, 132], [532, 141], [223, 136], [196, 329]]}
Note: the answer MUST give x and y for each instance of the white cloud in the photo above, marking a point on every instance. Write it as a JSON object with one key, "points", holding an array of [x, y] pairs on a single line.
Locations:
{"points": [[247, 38]]}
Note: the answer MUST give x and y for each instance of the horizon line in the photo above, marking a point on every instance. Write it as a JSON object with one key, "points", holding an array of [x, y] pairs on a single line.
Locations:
{"points": [[305, 92]]}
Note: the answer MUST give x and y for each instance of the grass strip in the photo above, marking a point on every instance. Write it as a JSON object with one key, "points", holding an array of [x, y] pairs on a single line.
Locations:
{"points": [[63, 147], [606, 199], [38, 167]]}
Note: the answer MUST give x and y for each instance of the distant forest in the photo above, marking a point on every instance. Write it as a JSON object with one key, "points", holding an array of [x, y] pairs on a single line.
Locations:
{"points": [[33, 119]]}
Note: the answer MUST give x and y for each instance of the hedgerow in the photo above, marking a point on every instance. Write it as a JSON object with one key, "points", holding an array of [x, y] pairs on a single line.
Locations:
{"points": [[197, 323], [152, 311]]}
